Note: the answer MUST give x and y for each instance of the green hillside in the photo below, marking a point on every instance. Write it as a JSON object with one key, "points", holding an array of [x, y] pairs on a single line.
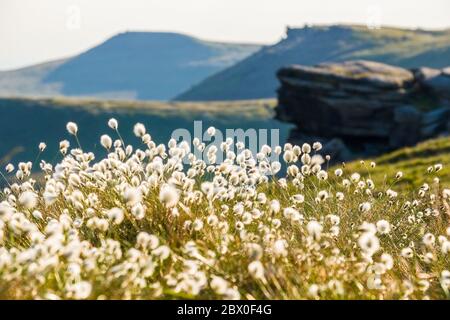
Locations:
{"points": [[412, 161], [27, 122], [254, 77]]}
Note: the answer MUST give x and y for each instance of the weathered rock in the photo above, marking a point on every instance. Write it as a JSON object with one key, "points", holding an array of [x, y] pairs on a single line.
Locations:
{"points": [[337, 150], [332, 99], [368, 106], [435, 122], [360, 76], [407, 119], [424, 74], [438, 81], [436, 116]]}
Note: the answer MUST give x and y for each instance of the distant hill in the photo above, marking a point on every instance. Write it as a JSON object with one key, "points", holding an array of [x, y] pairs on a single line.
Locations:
{"points": [[254, 77], [132, 65], [29, 80]]}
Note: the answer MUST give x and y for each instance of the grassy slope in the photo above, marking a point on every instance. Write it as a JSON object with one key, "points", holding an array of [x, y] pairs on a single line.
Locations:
{"points": [[252, 109], [412, 161], [406, 48]]}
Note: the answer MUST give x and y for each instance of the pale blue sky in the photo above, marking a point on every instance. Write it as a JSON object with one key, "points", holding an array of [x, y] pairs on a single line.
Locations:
{"points": [[33, 31]]}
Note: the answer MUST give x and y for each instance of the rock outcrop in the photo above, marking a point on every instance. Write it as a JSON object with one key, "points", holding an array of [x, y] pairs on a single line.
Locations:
{"points": [[437, 82], [363, 108]]}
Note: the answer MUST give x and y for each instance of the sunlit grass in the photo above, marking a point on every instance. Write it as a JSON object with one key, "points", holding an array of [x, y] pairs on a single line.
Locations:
{"points": [[141, 225]]}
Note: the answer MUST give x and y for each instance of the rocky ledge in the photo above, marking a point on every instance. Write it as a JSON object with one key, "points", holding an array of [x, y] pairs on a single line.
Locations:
{"points": [[363, 108]]}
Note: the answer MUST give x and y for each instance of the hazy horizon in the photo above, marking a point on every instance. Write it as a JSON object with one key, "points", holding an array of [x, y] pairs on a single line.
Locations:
{"points": [[34, 32]]}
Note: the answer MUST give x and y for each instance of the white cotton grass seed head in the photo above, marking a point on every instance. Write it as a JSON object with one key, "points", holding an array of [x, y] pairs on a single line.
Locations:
{"points": [[387, 260], [322, 175], [369, 243], [219, 285], [322, 195], [445, 247], [169, 196], [355, 177], [116, 215], [146, 138], [197, 225], [368, 227], [306, 148], [314, 229], [317, 146], [256, 269], [429, 239], [132, 196], [72, 128], [211, 131], [64, 145], [139, 130], [445, 278], [288, 156], [334, 219], [212, 220], [407, 253], [313, 291], [298, 198], [106, 141], [9, 168], [162, 252], [446, 193], [28, 200], [113, 124], [37, 215], [365, 207], [42, 146], [279, 248], [383, 227], [275, 206], [148, 241], [138, 211], [80, 290], [275, 167]]}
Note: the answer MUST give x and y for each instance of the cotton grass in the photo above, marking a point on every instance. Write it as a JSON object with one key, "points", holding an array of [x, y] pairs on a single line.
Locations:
{"points": [[156, 221]]}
